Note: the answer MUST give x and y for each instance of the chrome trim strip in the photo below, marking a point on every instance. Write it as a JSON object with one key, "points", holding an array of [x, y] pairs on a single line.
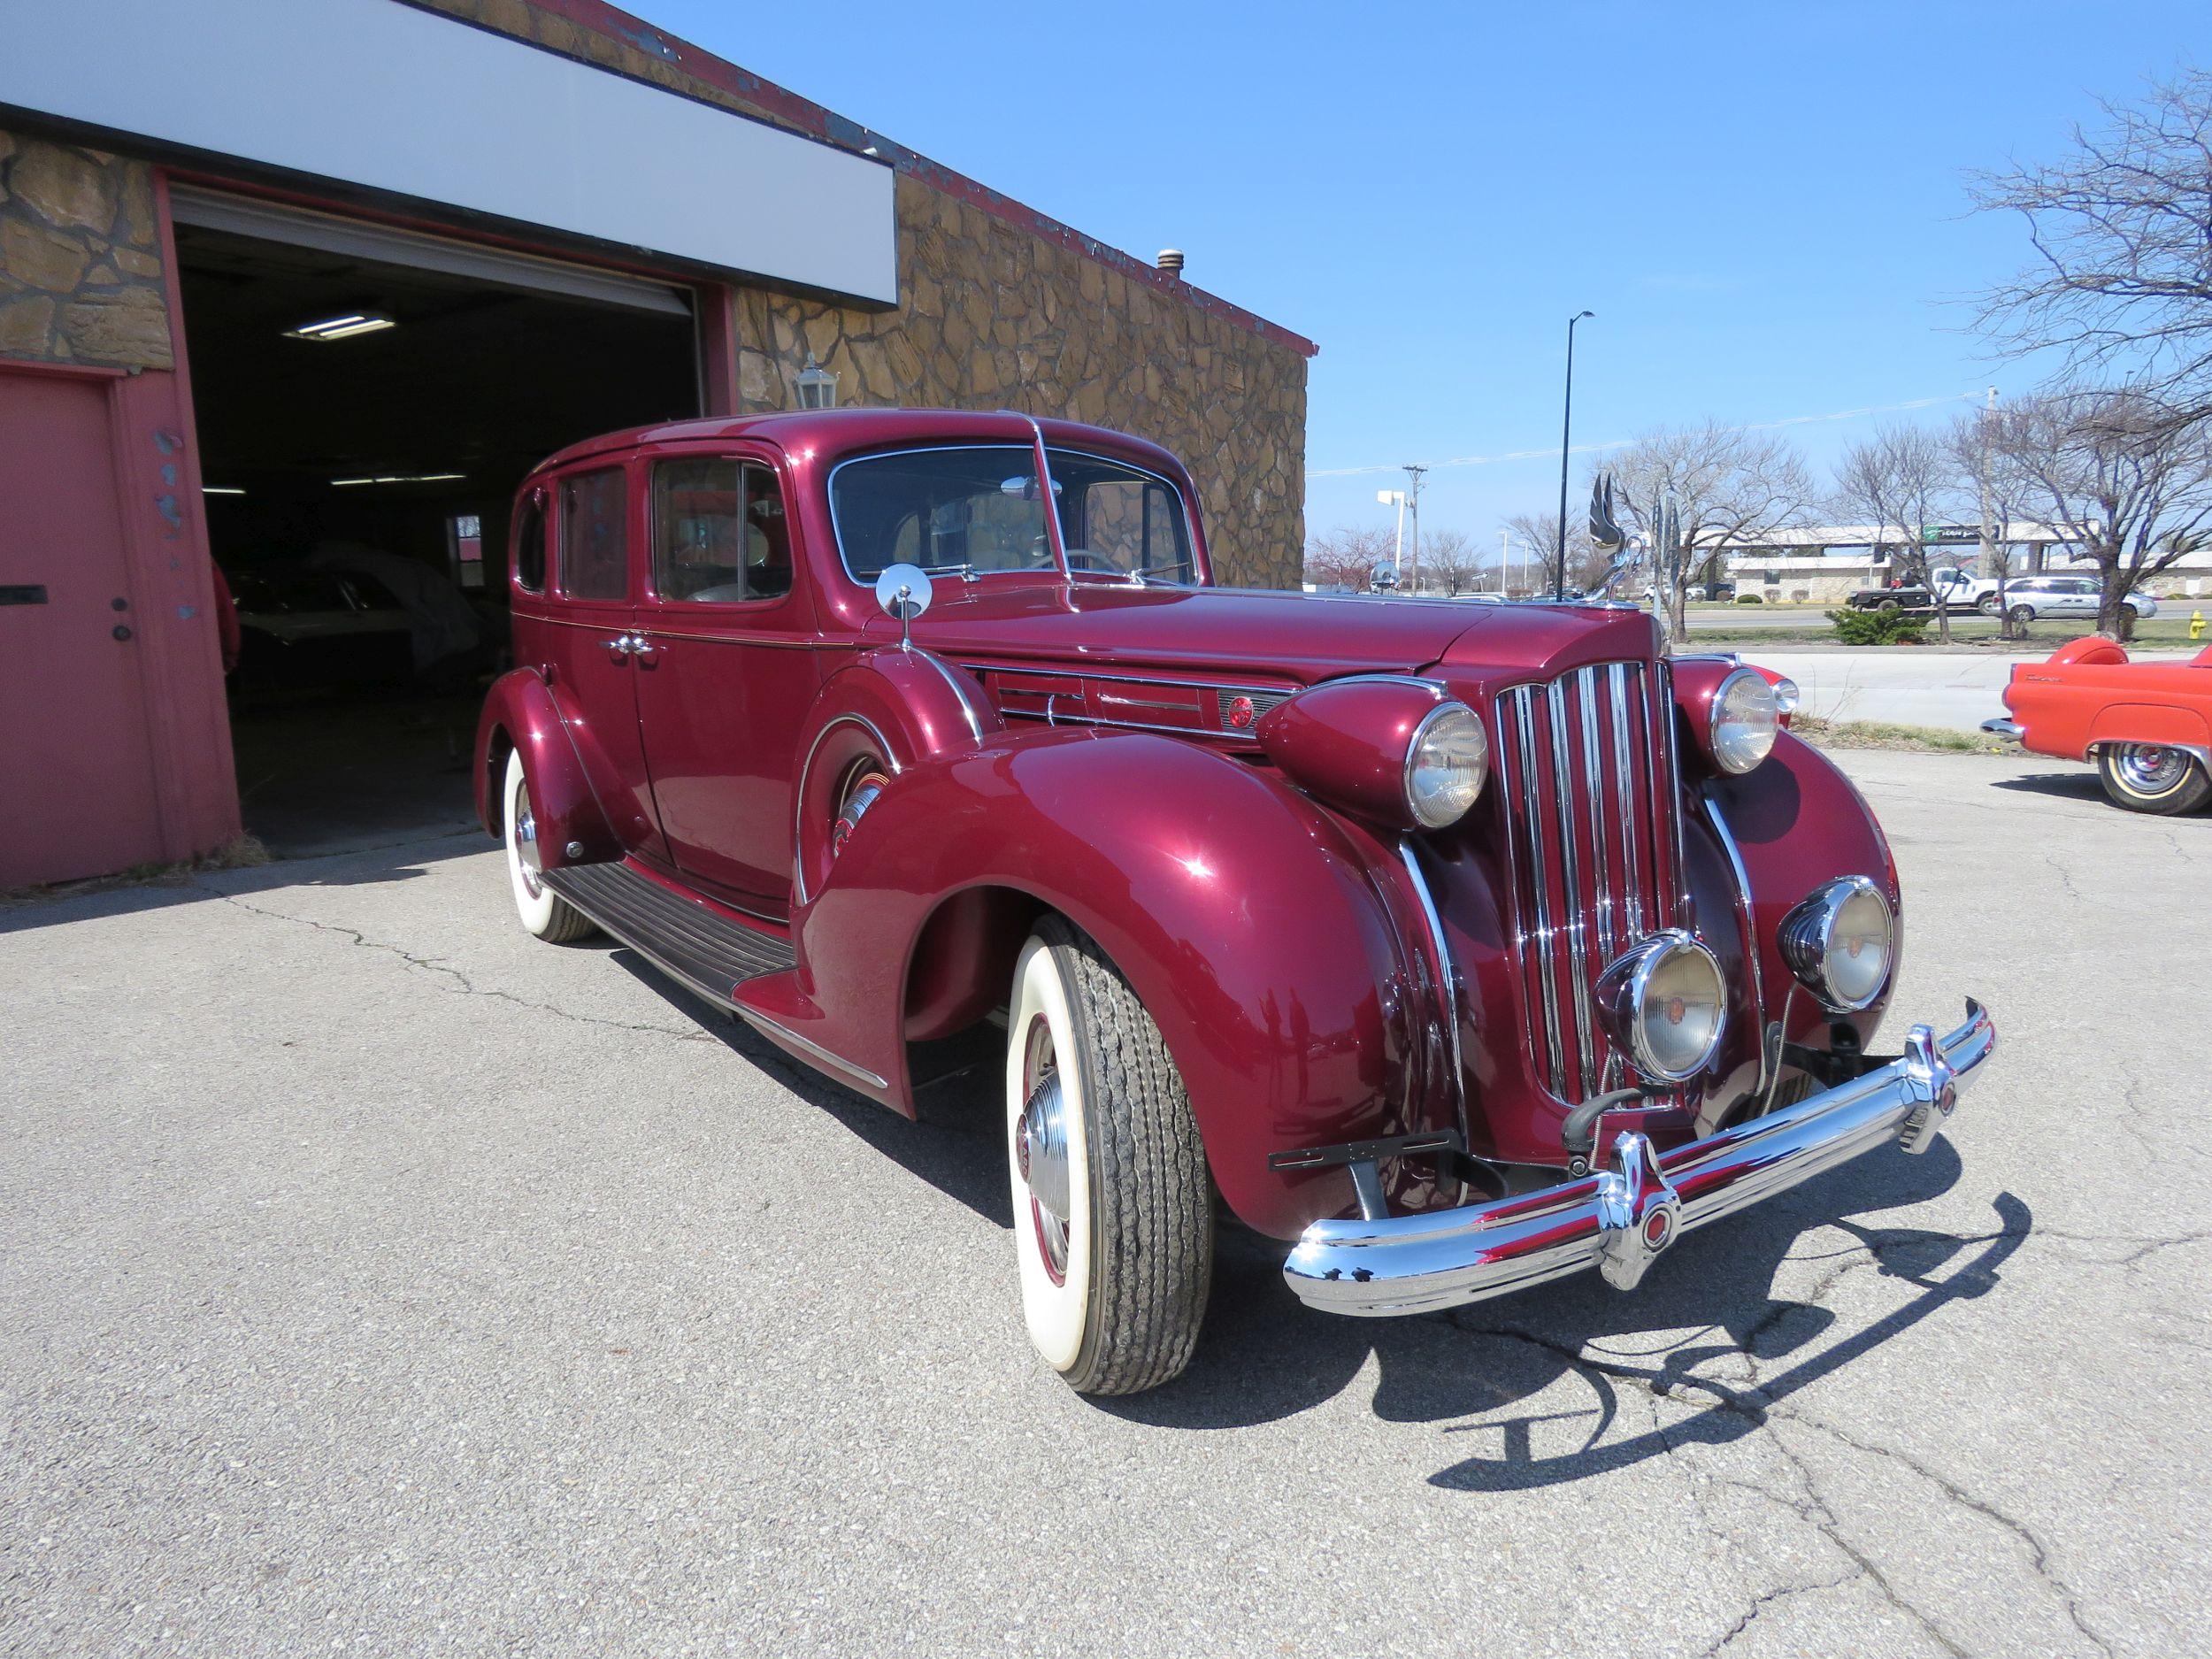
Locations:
{"points": [[1685, 915], [769, 1029], [806, 766], [1078, 672], [1531, 817], [1437, 688], [1747, 923], [1593, 775], [1449, 985], [1571, 861], [975, 721], [1444, 1258], [1627, 797]]}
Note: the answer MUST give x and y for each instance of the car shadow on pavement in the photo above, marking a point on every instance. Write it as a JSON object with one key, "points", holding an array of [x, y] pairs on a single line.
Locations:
{"points": [[1702, 1317], [2068, 786]]}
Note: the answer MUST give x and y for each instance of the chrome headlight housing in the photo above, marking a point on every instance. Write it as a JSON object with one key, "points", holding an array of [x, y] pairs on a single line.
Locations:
{"points": [[1840, 939], [1747, 717], [1445, 762], [1666, 1004]]}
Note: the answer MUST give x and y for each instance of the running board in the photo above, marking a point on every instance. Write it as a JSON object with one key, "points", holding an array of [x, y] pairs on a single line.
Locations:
{"points": [[707, 950]]}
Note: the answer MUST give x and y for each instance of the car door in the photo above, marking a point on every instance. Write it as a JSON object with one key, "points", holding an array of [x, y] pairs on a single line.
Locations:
{"points": [[590, 652], [729, 668]]}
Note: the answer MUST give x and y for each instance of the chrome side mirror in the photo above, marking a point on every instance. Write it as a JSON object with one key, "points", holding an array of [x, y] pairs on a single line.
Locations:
{"points": [[903, 590]]}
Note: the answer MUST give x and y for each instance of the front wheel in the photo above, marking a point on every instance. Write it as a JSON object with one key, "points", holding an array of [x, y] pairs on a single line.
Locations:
{"points": [[1113, 1212], [2152, 777]]}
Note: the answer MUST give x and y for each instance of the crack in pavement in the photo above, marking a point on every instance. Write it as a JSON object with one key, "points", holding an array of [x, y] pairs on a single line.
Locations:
{"points": [[458, 981]]}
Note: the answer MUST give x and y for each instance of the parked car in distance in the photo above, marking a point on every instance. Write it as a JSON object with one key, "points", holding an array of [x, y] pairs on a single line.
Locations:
{"points": [[317, 630], [2033, 598], [1458, 947], [1957, 589], [2146, 726]]}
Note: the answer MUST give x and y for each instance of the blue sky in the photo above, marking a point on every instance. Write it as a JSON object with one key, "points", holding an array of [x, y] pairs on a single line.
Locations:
{"points": [[1763, 204]]}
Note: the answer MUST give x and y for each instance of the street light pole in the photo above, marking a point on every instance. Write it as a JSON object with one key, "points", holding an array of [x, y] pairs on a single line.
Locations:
{"points": [[1413, 504], [1566, 431]]}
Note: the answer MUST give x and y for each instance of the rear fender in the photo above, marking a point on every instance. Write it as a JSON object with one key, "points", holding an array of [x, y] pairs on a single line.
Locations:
{"points": [[520, 713], [1247, 920], [2166, 723]]}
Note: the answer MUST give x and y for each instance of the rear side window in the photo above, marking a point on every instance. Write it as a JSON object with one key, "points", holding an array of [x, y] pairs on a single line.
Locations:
{"points": [[720, 534], [530, 544], [594, 554]]}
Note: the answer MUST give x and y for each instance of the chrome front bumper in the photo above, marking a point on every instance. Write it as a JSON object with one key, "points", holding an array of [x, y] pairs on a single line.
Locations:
{"points": [[1619, 1219]]}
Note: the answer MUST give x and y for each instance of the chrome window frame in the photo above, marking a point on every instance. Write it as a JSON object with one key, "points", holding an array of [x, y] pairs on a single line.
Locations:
{"points": [[1029, 453]]}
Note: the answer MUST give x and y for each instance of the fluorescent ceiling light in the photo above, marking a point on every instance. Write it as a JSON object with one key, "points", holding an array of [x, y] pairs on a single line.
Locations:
{"points": [[219, 489], [399, 478], [343, 327]]}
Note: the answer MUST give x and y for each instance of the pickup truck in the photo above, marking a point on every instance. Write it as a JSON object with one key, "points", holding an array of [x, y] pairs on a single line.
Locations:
{"points": [[1959, 592]]}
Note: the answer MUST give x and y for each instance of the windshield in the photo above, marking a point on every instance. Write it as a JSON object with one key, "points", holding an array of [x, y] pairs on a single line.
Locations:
{"points": [[978, 509]]}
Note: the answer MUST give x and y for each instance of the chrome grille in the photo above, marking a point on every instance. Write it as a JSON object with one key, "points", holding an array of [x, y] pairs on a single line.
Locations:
{"points": [[1586, 769]]}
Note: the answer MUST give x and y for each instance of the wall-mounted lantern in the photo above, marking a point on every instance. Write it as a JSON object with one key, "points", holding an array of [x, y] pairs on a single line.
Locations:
{"points": [[817, 386]]}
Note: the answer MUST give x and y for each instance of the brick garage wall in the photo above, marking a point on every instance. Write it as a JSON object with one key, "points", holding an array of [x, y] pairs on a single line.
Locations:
{"points": [[80, 276], [998, 309]]}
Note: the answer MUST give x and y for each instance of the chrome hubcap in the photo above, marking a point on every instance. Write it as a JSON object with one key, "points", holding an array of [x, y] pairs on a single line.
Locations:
{"points": [[2150, 768], [1040, 1150], [527, 841]]}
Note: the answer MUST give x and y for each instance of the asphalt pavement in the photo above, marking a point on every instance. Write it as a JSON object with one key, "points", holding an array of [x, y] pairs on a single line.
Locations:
{"points": [[375, 1279]]}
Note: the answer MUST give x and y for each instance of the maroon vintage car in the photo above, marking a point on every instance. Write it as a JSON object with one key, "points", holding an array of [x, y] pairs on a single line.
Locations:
{"points": [[1460, 946]]}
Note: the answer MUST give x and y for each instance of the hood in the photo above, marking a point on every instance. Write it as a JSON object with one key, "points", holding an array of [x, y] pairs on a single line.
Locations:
{"points": [[1300, 637]]}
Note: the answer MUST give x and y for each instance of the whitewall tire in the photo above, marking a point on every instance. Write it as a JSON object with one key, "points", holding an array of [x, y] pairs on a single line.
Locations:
{"points": [[2152, 777], [1113, 1216], [545, 914]]}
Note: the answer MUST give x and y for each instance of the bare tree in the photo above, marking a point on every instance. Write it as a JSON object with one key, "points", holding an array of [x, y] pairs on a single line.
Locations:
{"points": [[2130, 486], [1730, 488], [1540, 532], [1972, 440], [2121, 280], [1448, 560], [1346, 557], [1901, 480]]}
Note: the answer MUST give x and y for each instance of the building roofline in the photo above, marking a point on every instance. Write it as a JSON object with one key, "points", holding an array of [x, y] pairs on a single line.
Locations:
{"points": [[806, 116]]}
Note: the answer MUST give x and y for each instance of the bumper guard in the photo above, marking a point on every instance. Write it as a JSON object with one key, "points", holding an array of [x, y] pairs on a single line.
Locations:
{"points": [[1619, 1219]]}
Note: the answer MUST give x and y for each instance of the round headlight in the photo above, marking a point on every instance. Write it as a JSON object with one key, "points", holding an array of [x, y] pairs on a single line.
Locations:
{"points": [[1746, 714], [1664, 1003], [1840, 939], [1445, 762]]}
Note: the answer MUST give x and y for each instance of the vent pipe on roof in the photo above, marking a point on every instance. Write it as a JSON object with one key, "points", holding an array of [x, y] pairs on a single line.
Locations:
{"points": [[1172, 261]]}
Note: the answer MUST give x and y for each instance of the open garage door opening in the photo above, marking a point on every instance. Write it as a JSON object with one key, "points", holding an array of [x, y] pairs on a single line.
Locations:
{"points": [[367, 401]]}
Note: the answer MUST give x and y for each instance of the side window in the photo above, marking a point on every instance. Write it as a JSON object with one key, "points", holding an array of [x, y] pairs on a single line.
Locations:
{"points": [[594, 562], [529, 565], [719, 533]]}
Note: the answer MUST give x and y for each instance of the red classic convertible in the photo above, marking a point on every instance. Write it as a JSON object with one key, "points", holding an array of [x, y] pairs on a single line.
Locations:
{"points": [[1459, 947], [2148, 726]]}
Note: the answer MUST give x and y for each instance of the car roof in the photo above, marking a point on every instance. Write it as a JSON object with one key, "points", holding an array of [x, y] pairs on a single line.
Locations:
{"points": [[832, 433]]}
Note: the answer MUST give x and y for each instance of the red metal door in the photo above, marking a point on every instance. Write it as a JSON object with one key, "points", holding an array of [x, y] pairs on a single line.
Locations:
{"points": [[728, 668], [590, 651], [77, 789]]}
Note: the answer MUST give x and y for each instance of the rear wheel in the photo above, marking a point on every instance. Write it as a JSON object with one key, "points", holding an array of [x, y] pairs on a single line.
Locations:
{"points": [[1986, 604], [1113, 1222], [1888, 604], [2152, 777], [2022, 615], [544, 913]]}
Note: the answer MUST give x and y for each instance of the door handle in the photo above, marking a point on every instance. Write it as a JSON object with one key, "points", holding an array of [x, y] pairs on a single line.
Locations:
{"points": [[640, 647], [618, 647]]}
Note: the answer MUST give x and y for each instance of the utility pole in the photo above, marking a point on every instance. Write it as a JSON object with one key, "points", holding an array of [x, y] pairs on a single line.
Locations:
{"points": [[1566, 431], [1413, 500], [1505, 558], [1990, 565]]}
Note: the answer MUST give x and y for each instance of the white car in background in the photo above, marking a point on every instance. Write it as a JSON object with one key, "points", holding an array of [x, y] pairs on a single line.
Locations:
{"points": [[2033, 598]]}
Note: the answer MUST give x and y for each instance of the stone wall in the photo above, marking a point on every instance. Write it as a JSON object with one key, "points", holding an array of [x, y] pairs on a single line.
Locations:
{"points": [[1000, 308], [81, 277]]}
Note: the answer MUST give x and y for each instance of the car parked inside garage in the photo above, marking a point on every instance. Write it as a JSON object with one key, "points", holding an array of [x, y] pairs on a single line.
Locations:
{"points": [[1459, 947]]}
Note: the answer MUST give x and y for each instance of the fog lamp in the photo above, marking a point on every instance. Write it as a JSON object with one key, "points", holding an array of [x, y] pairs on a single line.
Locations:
{"points": [[1840, 939], [1664, 1004]]}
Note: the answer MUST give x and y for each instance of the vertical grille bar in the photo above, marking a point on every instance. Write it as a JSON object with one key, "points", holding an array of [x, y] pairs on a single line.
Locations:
{"points": [[1594, 833]]}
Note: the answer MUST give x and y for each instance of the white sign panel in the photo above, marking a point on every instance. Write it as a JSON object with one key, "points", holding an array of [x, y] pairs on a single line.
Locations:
{"points": [[377, 94]]}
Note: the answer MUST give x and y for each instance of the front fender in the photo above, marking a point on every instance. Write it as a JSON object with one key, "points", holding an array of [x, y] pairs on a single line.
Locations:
{"points": [[1796, 822], [520, 713], [1247, 920]]}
